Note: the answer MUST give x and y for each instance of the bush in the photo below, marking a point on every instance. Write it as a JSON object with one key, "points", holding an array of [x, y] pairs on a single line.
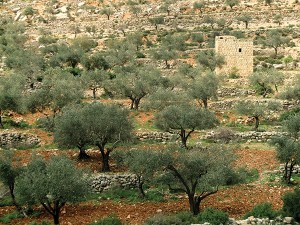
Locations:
{"points": [[10, 216], [46, 123], [165, 220], [118, 193], [286, 115], [234, 73], [224, 134], [291, 204], [140, 55], [5, 201], [262, 210], [213, 216], [29, 11], [11, 123], [241, 175], [110, 220]]}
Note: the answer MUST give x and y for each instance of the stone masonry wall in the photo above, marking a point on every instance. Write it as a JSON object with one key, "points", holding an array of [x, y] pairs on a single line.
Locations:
{"points": [[247, 136], [16, 139], [237, 53], [102, 182], [156, 136]]}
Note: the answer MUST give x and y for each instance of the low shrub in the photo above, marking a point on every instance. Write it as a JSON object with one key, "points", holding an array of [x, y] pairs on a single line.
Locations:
{"points": [[213, 216], [291, 204], [46, 123], [110, 220], [263, 210], [118, 193], [6, 201], [165, 220], [140, 55], [8, 123], [286, 115], [224, 134], [9, 217], [241, 175]]}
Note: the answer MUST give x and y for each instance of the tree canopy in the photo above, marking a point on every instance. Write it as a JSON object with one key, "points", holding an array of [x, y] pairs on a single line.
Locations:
{"points": [[198, 173], [266, 80], [184, 120], [52, 184]]}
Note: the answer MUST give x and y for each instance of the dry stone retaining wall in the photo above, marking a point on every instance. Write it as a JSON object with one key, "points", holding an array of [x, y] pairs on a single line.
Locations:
{"points": [[296, 169], [102, 182], [258, 221], [156, 136], [247, 136], [16, 139], [234, 92]]}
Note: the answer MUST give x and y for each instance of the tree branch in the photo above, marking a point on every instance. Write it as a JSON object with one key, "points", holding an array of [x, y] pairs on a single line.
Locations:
{"points": [[47, 209], [176, 189], [178, 175], [189, 133]]}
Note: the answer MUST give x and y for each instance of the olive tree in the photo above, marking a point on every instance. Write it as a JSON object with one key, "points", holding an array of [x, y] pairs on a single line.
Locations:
{"points": [[199, 5], [231, 3], [59, 88], [156, 21], [106, 125], [198, 84], [197, 173], [264, 80], [96, 124], [11, 96], [119, 53], [245, 18], [95, 79], [276, 39], [9, 171], [184, 120], [137, 84], [288, 152], [209, 59], [136, 39], [143, 163], [288, 147], [293, 92], [65, 134], [256, 109], [52, 184], [171, 46], [108, 11]]}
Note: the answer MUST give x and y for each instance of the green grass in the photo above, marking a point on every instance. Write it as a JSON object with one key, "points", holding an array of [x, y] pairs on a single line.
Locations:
{"points": [[6, 219], [296, 178], [257, 146], [5, 201], [128, 195], [9, 123]]}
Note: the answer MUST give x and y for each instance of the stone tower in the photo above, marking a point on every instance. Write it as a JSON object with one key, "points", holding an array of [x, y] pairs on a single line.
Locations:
{"points": [[238, 55]]}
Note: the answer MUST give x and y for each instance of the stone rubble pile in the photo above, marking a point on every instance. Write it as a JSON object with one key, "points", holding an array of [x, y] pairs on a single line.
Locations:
{"points": [[102, 182], [16, 139]]}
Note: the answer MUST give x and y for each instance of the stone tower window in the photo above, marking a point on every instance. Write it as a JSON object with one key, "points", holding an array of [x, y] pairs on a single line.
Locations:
{"points": [[240, 49]]}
